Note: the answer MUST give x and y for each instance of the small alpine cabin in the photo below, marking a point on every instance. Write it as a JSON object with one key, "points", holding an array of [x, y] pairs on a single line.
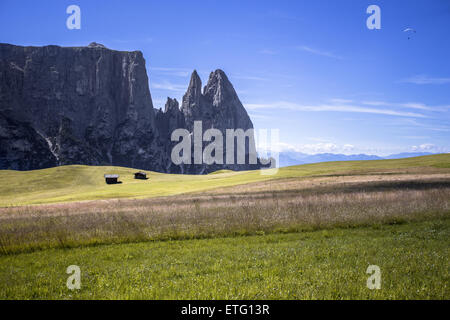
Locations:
{"points": [[140, 175], [111, 178]]}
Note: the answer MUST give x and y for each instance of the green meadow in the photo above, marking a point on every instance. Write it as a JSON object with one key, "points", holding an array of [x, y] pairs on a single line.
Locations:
{"points": [[78, 183], [325, 264], [306, 232]]}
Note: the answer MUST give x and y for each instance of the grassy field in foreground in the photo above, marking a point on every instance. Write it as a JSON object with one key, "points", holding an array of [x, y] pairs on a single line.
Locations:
{"points": [[308, 232], [327, 264], [77, 183], [278, 206]]}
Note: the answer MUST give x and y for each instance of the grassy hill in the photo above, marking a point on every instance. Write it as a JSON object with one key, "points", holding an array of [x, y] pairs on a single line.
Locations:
{"points": [[306, 232], [78, 182]]}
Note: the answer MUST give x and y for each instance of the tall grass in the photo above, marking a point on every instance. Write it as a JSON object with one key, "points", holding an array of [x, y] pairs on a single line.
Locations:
{"points": [[299, 207]]}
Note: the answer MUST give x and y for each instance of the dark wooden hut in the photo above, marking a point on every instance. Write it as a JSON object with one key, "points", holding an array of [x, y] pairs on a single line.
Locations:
{"points": [[140, 175], [111, 178]]}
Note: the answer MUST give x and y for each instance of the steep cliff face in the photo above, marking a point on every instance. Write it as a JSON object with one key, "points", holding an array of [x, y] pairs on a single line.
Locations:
{"points": [[167, 121], [22, 148], [219, 107], [92, 105]]}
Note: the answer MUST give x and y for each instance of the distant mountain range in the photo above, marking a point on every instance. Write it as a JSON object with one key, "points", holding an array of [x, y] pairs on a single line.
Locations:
{"points": [[291, 158]]}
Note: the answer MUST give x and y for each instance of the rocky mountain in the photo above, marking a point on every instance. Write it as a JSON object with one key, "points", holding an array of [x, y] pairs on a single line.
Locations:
{"points": [[167, 121], [21, 147], [218, 107], [92, 105]]}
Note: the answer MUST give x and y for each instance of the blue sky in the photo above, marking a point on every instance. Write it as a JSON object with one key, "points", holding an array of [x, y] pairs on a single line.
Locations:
{"points": [[309, 68]]}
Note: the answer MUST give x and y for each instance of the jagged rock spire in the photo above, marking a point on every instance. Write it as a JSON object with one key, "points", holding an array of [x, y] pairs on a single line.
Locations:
{"points": [[218, 106], [194, 91], [219, 89], [171, 105]]}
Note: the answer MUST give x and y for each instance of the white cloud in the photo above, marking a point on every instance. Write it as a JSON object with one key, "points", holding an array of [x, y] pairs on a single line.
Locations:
{"points": [[415, 123], [348, 147], [313, 148], [268, 52], [406, 105], [415, 137], [168, 86], [338, 100], [424, 79], [320, 148], [254, 78], [178, 72], [428, 147], [326, 147], [159, 102], [318, 52], [332, 108], [319, 139]]}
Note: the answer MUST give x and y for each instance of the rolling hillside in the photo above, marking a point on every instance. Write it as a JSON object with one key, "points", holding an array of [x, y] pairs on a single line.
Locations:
{"points": [[78, 183]]}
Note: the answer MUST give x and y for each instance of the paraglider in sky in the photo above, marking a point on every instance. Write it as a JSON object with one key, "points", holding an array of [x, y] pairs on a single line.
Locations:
{"points": [[409, 32]]}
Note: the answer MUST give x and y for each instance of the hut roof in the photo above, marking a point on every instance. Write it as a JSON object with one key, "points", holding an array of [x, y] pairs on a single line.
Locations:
{"points": [[111, 176]]}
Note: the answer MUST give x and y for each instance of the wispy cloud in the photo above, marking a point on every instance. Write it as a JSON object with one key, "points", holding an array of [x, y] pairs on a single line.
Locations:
{"points": [[429, 147], [407, 105], [320, 147], [168, 86], [178, 72], [415, 137], [319, 139], [318, 52], [348, 148], [338, 100], [333, 108], [424, 79], [404, 122], [259, 116], [245, 77], [310, 148], [158, 102], [268, 52]]}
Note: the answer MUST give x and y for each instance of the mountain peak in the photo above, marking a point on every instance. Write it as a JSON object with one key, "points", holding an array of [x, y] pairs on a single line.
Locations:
{"points": [[193, 94], [171, 104], [196, 83], [219, 88], [217, 73], [218, 76]]}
